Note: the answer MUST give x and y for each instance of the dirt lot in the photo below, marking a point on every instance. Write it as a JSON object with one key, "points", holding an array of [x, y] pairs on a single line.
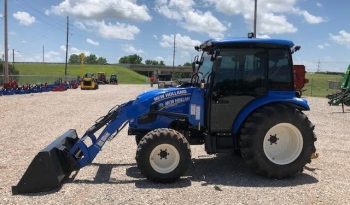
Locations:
{"points": [[30, 122]]}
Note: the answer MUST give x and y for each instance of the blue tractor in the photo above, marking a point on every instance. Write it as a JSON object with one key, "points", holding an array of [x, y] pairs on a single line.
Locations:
{"points": [[241, 98]]}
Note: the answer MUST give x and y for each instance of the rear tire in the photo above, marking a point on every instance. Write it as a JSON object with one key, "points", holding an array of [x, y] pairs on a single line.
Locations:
{"points": [[277, 141], [163, 155]]}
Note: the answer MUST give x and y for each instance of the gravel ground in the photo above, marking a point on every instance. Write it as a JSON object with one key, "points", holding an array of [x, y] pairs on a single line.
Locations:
{"points": [[30, 122]]}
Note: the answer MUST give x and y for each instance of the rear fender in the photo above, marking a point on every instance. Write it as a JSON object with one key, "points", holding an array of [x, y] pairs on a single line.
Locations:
{"points": [[287, 97]]}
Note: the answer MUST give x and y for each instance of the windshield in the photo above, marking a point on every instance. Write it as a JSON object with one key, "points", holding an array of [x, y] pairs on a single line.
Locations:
{"points": [[206, 67]]}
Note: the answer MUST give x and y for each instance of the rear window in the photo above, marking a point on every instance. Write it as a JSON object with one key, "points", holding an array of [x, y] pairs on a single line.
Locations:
{"points": [[280, 70]]}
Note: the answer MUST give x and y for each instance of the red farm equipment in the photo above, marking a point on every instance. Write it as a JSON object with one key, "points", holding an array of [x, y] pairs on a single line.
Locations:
{"points": [[299, 78]]}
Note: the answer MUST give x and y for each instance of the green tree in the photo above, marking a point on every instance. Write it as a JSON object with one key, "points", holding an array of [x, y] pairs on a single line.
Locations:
{"points": [[154, 62], [91, 59], [187, 64], [151, 62], [12, 71], [131, 59], [74, 59], [101, 61]]}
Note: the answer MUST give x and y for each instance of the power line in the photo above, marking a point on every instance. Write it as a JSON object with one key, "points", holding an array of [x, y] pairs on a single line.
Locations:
{"points": [[6, 71], [174, 50]]}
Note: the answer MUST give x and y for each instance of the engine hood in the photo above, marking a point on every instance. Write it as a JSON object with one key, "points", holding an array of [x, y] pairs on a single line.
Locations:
{"points": [[157, 95]]}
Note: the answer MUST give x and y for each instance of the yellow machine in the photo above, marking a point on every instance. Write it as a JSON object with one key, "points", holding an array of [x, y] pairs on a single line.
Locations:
{"points": [[89, 82]]}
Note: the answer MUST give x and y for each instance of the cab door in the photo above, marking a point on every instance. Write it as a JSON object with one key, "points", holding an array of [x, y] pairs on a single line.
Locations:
{"points": [[240, 79]]}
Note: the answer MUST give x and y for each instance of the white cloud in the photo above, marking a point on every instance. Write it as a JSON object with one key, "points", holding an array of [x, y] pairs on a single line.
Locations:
{"points": [[342, 38], [102, 9], [80, 25], [50, 56], [262, 36], [131, 49], [311, 19], [92, 42], [192, 20], [272, 14], [318, 4], [112, 31], [74, 50], [173, 9], [24, 18], [203, 23], [322, 46], [182, 42], [160, 58], [53, 56]]}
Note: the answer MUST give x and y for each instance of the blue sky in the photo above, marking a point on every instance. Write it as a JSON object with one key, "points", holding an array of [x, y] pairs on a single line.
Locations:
{"points": [[115, 28]]}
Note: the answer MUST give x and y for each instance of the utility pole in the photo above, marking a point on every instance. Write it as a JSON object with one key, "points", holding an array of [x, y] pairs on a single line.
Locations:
{"points": [[318, 65], [6, 63], [174, 51], [13, 58], [65, 67], [43, 54], [255, 14]]}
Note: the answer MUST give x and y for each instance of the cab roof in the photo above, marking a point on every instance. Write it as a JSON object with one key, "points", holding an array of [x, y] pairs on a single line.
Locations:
{"points": [[240, 41]]}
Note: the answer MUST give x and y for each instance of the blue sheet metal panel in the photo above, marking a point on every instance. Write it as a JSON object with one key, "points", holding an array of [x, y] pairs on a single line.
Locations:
{"points": [[271, 97], [196, 107], [174, 100]]}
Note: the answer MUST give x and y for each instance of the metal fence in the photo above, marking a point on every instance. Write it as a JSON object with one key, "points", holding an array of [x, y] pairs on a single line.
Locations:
{"points": [[320, 86]]}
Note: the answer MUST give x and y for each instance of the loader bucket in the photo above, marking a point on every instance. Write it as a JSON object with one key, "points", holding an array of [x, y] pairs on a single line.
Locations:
{"points": [[49, 167]]}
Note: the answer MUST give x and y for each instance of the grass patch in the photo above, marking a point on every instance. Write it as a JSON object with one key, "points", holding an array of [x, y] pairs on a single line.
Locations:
{"points": [[318, 85], [51, 72]]}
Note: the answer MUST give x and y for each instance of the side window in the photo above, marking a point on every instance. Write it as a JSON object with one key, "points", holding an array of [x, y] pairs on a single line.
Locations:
{"points": [[280, 70], [242, 72]]}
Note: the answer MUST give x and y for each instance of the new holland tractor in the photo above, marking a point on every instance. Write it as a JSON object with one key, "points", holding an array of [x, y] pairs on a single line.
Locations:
{"points": [[241, 98]]}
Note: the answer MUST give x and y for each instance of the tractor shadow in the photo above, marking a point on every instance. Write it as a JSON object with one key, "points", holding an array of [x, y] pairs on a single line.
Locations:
{"points": [[222, 169]]}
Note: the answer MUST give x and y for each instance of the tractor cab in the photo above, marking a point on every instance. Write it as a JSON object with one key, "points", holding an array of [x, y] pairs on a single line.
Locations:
{"points": [[239, 74]]}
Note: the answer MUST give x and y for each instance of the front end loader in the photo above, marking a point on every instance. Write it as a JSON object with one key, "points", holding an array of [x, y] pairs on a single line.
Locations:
{"points": [[241, 97], [89, 82]]}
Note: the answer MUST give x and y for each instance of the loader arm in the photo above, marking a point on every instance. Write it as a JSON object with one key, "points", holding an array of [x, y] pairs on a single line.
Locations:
{"points": [[113, 123], [52, 165], [69, 152]]}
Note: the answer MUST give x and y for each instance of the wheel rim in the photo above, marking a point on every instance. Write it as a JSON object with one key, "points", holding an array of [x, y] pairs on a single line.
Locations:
{"points": [[164, 158], [283, 143]]}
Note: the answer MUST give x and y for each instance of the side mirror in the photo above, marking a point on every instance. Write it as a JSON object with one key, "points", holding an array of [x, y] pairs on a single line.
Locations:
{"points": [[217, 64], [295, 49]]}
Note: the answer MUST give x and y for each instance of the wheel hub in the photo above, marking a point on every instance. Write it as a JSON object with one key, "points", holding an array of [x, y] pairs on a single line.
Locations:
{"points": [[285, 148], [273, 139], [164, 158], [163, 154]]}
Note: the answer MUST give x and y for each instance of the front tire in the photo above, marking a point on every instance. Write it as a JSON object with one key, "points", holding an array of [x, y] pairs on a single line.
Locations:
{"points": [[277, 141], [163, 155], [138, 138]]}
